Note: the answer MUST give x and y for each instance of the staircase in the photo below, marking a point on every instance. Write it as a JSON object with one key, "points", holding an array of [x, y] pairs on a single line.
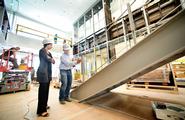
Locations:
{"points": [[162, 46]]}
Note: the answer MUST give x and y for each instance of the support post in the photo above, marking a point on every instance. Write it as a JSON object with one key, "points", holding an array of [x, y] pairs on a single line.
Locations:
{"points": [[108, 20], [146, 20], [94, 42], [131, 20], [124, 32]]}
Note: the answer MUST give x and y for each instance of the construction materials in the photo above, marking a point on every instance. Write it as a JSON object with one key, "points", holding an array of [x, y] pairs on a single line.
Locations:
{"points": [[159, 79], [15, 80], [168, 111], [179, 74], [12, 80]]}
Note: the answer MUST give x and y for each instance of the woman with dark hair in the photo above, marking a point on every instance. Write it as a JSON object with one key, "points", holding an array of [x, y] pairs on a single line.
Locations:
{"points": [[44, 76]]}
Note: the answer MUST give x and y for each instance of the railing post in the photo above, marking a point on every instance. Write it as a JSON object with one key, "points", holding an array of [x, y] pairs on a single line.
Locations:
{"points": [[85, 55], [17, 28], [131, 20], [124, 32], [146, 20], [94, 41], [83, 68]]}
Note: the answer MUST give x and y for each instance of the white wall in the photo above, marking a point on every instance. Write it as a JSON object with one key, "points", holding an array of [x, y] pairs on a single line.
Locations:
{"points": [[21, 41], [2, 40], [119, 6], [34, 45], [183, 3]]}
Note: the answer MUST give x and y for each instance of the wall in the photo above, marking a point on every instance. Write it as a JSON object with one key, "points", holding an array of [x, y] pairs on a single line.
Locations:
{"points": [[33, 45], [2, 40], [119, 6], [183, 5], [21, 41]]}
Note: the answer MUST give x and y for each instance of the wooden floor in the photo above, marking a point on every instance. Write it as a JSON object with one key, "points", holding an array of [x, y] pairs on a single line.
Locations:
{"points": [[170, 96], [133, 106], [14, 106]]}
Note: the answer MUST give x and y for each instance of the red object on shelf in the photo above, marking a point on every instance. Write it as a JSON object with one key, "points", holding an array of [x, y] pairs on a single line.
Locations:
{"points": [[4, 63], [3, 69]]}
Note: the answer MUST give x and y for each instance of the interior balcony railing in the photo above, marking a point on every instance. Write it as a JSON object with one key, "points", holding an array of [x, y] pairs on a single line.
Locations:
{"points": [[127, 40], [40, 34]]}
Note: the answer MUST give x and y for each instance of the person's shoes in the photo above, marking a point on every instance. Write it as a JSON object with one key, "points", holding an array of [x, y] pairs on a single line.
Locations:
{"points": [[68, 100], [44, 114], [62, 102], [48, 107]]}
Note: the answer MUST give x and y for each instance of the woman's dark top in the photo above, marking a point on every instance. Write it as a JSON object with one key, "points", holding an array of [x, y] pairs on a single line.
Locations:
{"points": [[44, 72]]}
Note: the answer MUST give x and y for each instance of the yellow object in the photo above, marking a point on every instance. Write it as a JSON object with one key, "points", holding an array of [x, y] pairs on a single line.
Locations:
{"points": [[77, 75], [180, 60], [23, 67]]}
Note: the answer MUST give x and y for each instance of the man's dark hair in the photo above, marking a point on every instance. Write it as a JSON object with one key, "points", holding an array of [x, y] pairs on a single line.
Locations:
{"points": [[46, 45]]}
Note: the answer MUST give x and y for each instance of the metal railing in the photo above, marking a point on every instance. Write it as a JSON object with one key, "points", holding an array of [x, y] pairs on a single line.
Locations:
{"points": [[129, 42], [37, 33]]}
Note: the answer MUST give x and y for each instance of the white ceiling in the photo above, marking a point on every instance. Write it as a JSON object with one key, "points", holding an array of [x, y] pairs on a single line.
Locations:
{"points": [[60, 14]]}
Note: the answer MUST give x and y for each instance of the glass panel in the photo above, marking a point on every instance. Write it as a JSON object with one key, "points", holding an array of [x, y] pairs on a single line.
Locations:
{"points": [[89, 23], [89, 65], [98, 59], [96, 22], [75, 32], [99, 18], [81, 28]]}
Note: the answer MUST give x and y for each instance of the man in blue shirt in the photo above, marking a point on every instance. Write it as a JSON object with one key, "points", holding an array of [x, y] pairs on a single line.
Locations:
{"points": [[66, 64]]}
